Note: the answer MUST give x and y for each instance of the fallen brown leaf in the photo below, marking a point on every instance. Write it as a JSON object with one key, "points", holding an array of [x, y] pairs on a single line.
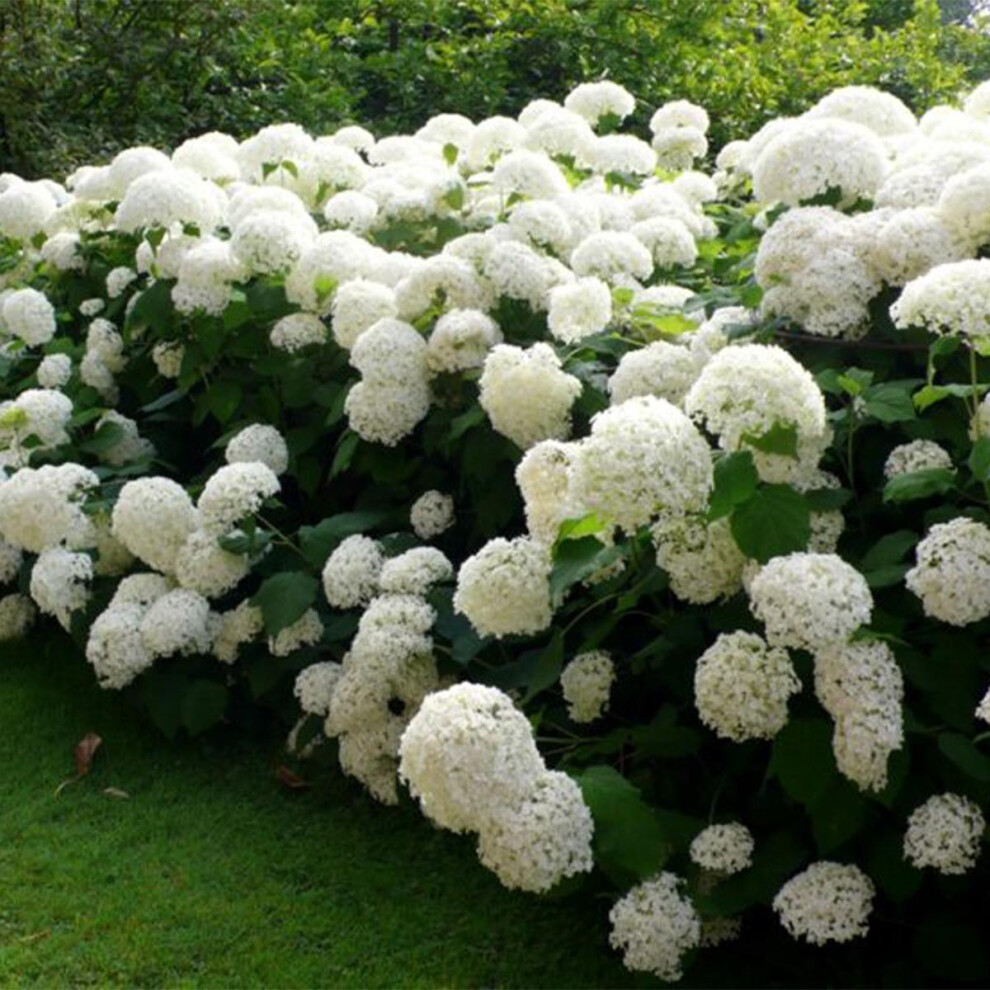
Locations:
{"points": [[85, 751], [115, 792], [291, 780]]}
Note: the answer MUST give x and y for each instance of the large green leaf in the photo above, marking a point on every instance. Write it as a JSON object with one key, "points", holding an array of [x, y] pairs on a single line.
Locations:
{"points": [[802, 759], [284, 598], [317, 542], [735, 481], [775, 521], [203, 705]]}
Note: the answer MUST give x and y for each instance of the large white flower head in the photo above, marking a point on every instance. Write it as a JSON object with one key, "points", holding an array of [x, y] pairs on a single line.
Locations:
{"points": [[307, 630], [913, 242], [272, 146], [212, 156], [669, 241], [542, 225], [953, 298], [963, 204], [204, 566], [167, 197], [810, 601], [350, 575], [662, 369], [167, 356], [677, 148], [945, 833], [543, 477], [612, 255], [27, 313], [599, 99], [315, 685], [141, 589], [296, 331], [179, 622], [861, 687], [234, 492], [742, 686], [461, 339], [527, 395], [951, 575], [883, 113], [586, 682], [918, 455], [236, 627], [43, 413], [724, 848], [259, 442], [60, 583], [467, 755], [130, 446], [544, 837], [579, 309], [517, 271], [654, 925], [431, 514], [390, 353], [115, 648], [350, 210], [153, 518], [504, 589], [206, 276], [445, 282], [11, 558], [623, 153], [386, 414], [643, 458], [748, 389], [702, 559], [24, 208], [54, 371], [827, 902], [679, 113], [812, 156], [41, 508], [358, 305], [61, 251], [17, 615], [271, 241]]}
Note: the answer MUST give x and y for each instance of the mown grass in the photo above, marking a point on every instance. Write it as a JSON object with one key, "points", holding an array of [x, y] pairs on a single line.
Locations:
{"points": [[212, 874]]}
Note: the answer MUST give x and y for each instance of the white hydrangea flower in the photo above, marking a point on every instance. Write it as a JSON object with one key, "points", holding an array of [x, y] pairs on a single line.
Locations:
{"points": [[669, 240], [517, 271], [918, 455], [153, 518], [351, 573], [951, 575], [461, 339], [861, 687], [271, 241], [130, 446], [60, 583], [527, 394], [702, 560], [17, 615], [11, 558], [679, 113], [206, 276], [543, 477], [677, 148], [27, 313], [358, 305], [810, 601], [665, 370], [54, 371], [166, 197], [141, 589], [112, 557], [61, 251], [298, 330], [443, 281], [41, 507], [204, 566], [504, 589], [259, 442], [914, 241], [315, 685], [595, 100], [963, 202], [92, 307], [811, 156], [415, 571], [386, 414], [43, 413], [115, 648], [643, 458], [467, 755], [24, 209], [234, 492], [586, 683], [179, 622], [167, 356], [948, 299], [945, 833], [654, 925], [236, 627], [543, 838], [529, 173], [431, 514], [883, 113], [579, 309], [350, 210], [307, 630], [724, 848], [622, 153], [390, 353], [742, 686], [612, 255], [748, 389], [827, 902]]}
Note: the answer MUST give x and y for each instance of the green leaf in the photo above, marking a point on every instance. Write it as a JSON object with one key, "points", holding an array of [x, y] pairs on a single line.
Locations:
{"points": [[461, 424], [574, 560], [664, 739], [153, 307], [889, 549], [317, 542], [574, 529], [963, 753], [545, 670], [203, 705], [780, 439], [105, 438], [930, 394], [450, 153], [284, 598], [735, 482], [979, 460], [919, 484], [890, 402], [802, 759], [224, 399], [886, 864], [775, 521], [629, 841], [854, 381], [454, 197], [346, 450], [239, 542], [837, 814], [827, 499]]}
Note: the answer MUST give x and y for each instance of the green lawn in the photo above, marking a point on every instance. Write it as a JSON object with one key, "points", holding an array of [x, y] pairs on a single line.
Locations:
{"points": [[211, 874]]}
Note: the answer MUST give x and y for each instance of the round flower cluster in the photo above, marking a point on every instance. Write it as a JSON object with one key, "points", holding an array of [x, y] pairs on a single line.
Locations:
{"points": [[233, 493], [742, 686], [952, 573], [724, 849], [431, 514], [586, 682], [918, 455], [949, 299], [810, 601], [665, 370], [415, 571], [504, 589], [702, 561], [350, 575], [828, 902], [261, 443], [153, 518], [654, 925], [945, 833]]}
